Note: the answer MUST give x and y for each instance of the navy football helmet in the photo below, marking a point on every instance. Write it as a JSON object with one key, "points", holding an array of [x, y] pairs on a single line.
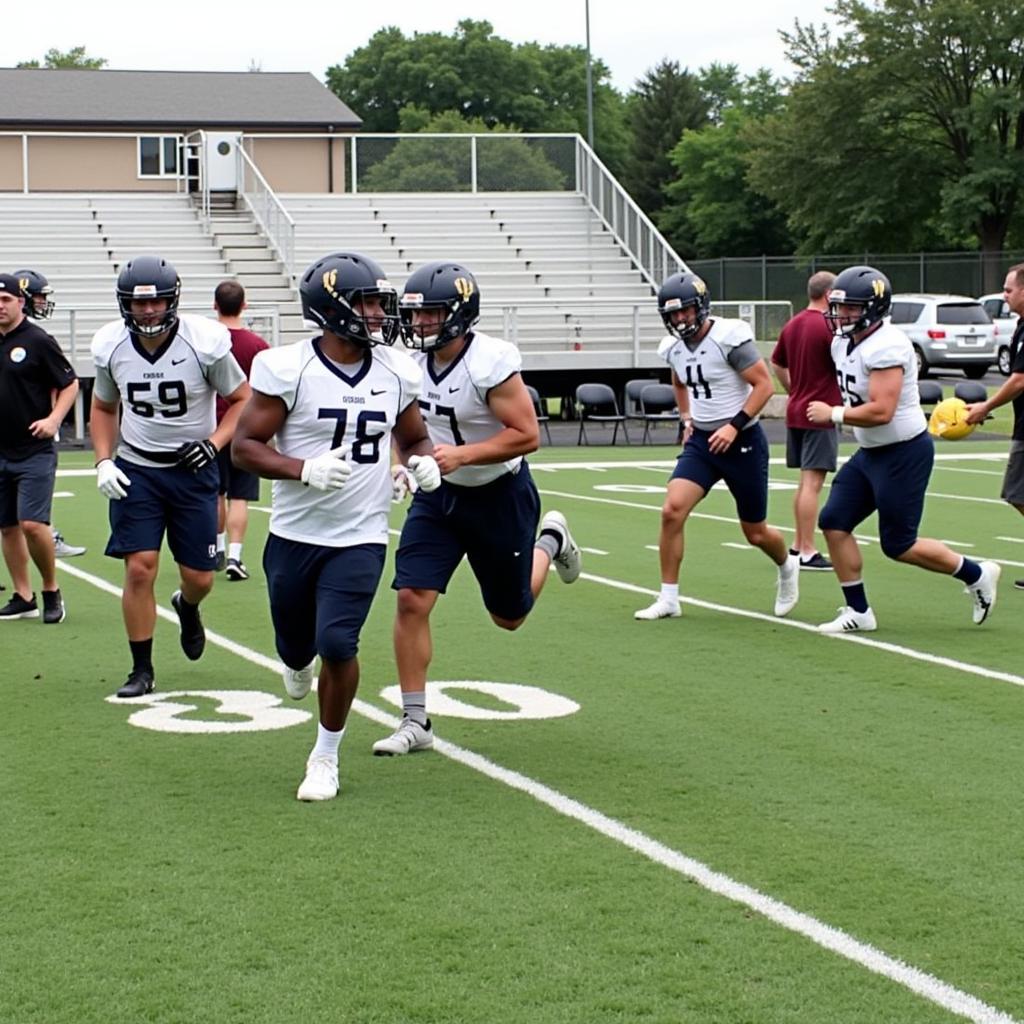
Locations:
{"points": [[148, 277], [444, 286], [858, 286], [331, 288], [677, 292], [37, 291]]}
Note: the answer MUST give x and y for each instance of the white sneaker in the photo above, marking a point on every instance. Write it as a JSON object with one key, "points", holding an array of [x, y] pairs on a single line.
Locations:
{"points": [[787, 592], [568, 560], [62, 549], [849, 621], [409, 736], [661, 609], [984, 591], [321, 781], [298, 681]]}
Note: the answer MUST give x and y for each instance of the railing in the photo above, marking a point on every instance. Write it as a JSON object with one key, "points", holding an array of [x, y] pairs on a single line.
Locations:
{"points": [[268, 210], [632, 228], [195, 150]]}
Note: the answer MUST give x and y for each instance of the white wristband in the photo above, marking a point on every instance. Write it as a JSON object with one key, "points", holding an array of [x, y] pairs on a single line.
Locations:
{"points": [[838, 411]]}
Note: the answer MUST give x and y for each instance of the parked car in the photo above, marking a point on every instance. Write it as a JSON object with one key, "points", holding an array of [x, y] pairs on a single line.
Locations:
{"points": [[1006, 320], [947, 331]]}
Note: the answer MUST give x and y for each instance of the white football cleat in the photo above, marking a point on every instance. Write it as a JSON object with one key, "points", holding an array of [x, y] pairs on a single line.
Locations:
{"points": [[321, 781], [408, 737], [661, 609], [787, 591], [850, 621], [568, 560], [984, 591], [298, 681]]}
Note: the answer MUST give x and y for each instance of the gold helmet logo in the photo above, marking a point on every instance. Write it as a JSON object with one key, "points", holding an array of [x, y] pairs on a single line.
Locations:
{"points": [[464, 286], [699, 286], [878, 287], [330, 280]]}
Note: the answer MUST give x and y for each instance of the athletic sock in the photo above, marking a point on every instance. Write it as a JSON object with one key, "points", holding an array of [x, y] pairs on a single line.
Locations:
{"points": [[222, 540], [327, 742], [142, 655], [235, 552], [968, 572], [414, 706], [670, 593], [549, 542], [854, 595]]}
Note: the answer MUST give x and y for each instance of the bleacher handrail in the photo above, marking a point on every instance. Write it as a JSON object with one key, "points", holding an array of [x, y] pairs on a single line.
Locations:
{"points": [[267, 209]]}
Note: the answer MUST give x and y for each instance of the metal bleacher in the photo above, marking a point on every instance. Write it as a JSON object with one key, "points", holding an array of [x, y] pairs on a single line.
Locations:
{"points": [[552, 278]]}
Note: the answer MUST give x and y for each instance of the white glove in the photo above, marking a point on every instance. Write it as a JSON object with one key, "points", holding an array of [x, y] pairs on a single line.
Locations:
{"points": [[112, 483], [402, 484], [425, 471], [327, 472]]}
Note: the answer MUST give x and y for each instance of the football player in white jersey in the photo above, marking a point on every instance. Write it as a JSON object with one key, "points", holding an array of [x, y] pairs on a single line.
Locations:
{"points": [[482, 422], [332, 405], [722, 383], [164, 370], [889, 473]]}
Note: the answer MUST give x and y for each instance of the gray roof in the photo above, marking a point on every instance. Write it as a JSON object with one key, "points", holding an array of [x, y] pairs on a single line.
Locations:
{"points": [[183, 99]]}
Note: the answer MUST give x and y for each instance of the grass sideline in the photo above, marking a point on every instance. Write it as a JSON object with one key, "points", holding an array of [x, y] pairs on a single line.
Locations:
{"points": [[173, 877]]}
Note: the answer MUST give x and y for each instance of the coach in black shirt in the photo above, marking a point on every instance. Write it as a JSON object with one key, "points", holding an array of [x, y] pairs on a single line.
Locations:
{"points": [[32, 369]]}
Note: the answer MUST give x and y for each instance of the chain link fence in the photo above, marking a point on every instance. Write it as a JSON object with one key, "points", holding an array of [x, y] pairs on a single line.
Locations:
{"points": [[785, 277]]}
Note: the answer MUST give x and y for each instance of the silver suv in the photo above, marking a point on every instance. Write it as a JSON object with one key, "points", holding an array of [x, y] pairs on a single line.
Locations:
{"points": [[1006, 321], [947, 332]]}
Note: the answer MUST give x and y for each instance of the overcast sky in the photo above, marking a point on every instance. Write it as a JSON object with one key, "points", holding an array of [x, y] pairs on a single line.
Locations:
{"points": [[189, 35]]}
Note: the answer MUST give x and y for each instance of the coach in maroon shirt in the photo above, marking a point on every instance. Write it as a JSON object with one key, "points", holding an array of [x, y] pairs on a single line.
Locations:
{"points": [[802, 361], [237, 486]]}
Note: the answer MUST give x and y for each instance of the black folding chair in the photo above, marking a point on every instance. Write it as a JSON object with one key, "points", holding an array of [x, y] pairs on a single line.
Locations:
{"points": [[658, 405], [971, 391], [928, 392], [540, 407], [597, 404]]}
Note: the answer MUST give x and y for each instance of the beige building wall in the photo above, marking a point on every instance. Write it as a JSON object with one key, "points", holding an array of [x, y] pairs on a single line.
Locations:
{"points": [[68, 164], [300, 165]]}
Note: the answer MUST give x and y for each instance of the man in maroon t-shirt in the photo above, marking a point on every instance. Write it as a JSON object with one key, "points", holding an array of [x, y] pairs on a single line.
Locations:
{"points": [[237, 487], [802, 361]]}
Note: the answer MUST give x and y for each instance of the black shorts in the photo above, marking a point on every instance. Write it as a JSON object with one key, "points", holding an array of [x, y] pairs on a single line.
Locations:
{"points": [[235, 483], [494, 526], [26, 488], [1013, 481]]}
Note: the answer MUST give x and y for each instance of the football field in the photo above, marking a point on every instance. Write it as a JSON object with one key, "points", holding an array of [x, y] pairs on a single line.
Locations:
{"points": [[724, 818]]}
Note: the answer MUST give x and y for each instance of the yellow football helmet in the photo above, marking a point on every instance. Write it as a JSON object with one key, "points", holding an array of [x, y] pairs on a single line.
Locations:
{"points": [[949, 420]]}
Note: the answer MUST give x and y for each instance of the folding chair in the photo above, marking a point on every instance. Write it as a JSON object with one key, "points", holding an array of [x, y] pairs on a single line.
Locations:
{"points": [[658, 405], [597, 404], [928, 392], [540, 407], [971, 391]]}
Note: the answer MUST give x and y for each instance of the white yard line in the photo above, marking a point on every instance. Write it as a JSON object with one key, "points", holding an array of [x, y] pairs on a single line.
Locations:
{"points": [[821, 934]]}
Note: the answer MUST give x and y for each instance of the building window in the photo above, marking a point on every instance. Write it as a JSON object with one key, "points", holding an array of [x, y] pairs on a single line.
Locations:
{"points": [[159, 156]]}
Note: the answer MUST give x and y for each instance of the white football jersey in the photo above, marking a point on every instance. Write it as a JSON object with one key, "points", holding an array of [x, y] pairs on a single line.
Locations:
{"points": [[711, 370], [167, 397], [886, 347], [454, 402], [330, 405]]}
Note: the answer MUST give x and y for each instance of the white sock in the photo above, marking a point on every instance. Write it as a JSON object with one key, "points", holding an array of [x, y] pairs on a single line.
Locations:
{"points": [[327, 743], [670, 593], [222, 540], [235, 552]]}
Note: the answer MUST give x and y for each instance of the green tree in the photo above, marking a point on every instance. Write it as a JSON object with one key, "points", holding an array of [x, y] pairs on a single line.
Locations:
{"points": [[663, 104], [931, 96], [428, 164], [74, 58], [475, 73]]}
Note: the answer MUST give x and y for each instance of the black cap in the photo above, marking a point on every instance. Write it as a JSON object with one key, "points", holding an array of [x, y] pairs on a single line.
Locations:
{"points": [[9, 283]]}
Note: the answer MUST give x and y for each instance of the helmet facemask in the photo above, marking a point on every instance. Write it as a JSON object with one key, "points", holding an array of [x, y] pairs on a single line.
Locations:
{"points": [[684, 330]]}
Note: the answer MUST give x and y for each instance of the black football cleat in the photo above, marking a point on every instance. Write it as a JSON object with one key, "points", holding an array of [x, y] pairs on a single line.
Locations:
{"points": [[138, 684], [193, 636]]}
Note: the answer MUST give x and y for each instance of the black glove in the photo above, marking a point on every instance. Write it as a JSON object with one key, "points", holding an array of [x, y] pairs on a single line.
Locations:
{"points": [[196, 455]]}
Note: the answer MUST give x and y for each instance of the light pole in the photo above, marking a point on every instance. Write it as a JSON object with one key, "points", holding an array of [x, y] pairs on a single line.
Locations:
{"points": [[590, 84]]}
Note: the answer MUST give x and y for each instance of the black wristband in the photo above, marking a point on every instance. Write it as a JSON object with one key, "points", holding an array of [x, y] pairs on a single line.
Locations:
{"points": [[740, 420]]}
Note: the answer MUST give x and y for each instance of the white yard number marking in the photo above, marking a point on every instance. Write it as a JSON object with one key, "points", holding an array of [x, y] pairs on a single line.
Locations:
{"points": [[251, 711], [527, 702]]}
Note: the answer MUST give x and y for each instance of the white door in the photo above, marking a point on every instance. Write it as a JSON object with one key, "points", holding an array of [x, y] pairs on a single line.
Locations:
{"points": [[221, 161]]}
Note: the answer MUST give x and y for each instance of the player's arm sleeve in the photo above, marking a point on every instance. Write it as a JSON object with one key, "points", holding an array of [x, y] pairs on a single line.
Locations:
{"points": [[225, 375], [743, 356], [508, 361], [411, 378], [665, 347], [887, 356], [104, 386]]}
